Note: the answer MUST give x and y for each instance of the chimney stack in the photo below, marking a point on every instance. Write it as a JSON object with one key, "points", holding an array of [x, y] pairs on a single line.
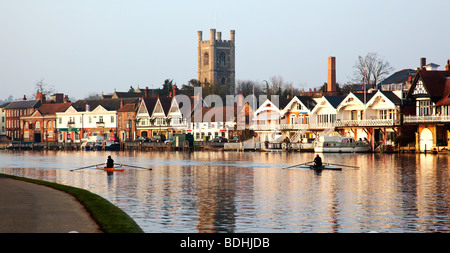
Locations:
{"points": [[88, 107], [331, 85], [423, 62], [447, 67], [24, 97], [174, 91], [146, 92], [40, 97]]}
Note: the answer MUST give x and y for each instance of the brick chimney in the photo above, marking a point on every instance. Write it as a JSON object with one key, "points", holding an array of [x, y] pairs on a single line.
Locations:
{"points": [[40, 97], [331, 84], [146, 92], [447, 67], [423, 62], [24, 97], [174, 90]]}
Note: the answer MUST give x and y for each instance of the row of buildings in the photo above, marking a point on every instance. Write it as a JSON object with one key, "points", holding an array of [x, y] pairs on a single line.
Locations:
{"points": [[410, 107]]}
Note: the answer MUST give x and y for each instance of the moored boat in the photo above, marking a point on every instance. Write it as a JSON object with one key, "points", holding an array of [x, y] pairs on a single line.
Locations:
{"points": [[339, 144]]}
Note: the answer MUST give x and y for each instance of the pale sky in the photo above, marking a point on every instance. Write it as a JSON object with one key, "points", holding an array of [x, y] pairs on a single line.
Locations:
{"points": [[92, 46]]}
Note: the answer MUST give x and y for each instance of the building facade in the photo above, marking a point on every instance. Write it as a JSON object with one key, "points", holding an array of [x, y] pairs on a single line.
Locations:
{"points": [[13, 112]]}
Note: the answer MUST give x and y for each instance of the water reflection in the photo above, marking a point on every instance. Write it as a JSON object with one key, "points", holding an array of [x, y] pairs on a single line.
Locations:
{"points": [[250, 192]]}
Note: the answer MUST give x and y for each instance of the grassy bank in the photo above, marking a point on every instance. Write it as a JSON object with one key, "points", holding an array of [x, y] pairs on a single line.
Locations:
{"points": [[110, 218]]}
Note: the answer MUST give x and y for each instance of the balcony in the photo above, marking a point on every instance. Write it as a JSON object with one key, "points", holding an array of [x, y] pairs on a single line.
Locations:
{"points": [[427, 119], [270, 127], [367, 122]]}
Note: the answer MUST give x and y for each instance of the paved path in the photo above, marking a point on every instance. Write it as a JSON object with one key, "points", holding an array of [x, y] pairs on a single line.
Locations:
{"points": [[31, 208]]}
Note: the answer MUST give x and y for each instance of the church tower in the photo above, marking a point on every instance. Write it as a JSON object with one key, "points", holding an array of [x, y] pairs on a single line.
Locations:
{"points": [[216, 64]]}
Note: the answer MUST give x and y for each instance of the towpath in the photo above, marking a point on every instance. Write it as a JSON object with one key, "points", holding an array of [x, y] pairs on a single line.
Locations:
{"points": [[30, 208]]}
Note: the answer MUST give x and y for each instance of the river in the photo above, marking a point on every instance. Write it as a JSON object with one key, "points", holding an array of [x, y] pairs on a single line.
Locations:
{"points": [[252, 192]]}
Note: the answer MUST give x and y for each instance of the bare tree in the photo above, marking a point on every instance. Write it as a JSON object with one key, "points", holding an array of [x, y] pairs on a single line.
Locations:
{"points": [[42, 87], [371, 68], [248, 87]]}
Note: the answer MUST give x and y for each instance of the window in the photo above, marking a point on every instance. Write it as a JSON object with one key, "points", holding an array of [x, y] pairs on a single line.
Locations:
{"points": [[206, 59], [222, 59], [38, 125], [424, 107], [100, 118], [112, 119]]}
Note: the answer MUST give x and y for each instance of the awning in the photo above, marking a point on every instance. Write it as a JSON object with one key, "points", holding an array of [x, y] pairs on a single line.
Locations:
{"points": [[68, 129]]}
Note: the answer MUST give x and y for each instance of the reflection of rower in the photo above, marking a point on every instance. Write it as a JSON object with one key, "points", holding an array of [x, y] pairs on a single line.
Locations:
{"points": [[109, 162], [317, 162]]}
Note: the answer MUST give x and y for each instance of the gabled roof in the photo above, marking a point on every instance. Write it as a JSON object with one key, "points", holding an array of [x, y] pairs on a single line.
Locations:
{"points": [[128, 108], [307, 101], [392, 97], [118, 94], [23, 104], [389, 95], [361, 97], [5, 105], [436, 84], [399, 77], [334, 100], [48, 109], [109, 104], [165, 103], [149, 103]]}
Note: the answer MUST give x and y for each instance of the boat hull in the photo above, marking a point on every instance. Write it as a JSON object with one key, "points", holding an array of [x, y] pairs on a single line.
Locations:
{"points": [[325, 167], [356, 149], [110, 169]]}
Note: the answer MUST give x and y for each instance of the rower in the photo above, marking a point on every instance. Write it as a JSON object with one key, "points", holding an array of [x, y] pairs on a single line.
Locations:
{"points": [[317, 162], [109, 162]]}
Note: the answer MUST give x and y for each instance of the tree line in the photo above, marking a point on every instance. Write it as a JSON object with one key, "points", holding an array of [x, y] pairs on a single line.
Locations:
{"points": [[369, 69]]}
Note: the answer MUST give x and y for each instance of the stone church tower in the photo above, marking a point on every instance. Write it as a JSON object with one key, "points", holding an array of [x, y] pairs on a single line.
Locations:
{"points": [[216, 63]]}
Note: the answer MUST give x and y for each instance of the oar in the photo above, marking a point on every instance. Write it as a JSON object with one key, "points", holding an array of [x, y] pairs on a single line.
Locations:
{"points": [[132, 166], [95, 165], [297, 165], [343, 165]]}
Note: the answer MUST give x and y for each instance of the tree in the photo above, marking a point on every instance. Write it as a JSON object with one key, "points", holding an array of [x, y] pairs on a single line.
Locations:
{"points": [[131, 90], [248, 87], [167, 88], [44, 88], [371, 68], [93, 95], [188, 89]]}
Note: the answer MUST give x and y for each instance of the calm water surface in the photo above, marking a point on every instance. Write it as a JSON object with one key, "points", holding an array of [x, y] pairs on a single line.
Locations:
{"points": [[250, 192]]}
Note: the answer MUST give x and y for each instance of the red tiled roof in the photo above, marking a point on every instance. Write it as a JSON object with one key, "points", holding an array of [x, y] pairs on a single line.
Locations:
{"points": [[46, 109], [437, 84]]}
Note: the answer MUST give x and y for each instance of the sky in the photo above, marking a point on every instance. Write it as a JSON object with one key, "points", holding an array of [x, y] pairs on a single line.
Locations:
{"points": [[93, 46]]}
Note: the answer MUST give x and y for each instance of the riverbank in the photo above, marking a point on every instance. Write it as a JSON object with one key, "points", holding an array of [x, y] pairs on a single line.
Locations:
{"points": [[30, 205]]}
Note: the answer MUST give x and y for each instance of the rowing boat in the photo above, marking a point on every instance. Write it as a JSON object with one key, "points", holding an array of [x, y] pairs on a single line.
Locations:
{"points": [[110, 169], [324, 167]]}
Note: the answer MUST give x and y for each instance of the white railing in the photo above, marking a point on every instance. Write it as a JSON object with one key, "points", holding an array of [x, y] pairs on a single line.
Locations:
{"points": [[321, 125], [269, 127], [367, 122], [338, 123], [427, 119]]}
